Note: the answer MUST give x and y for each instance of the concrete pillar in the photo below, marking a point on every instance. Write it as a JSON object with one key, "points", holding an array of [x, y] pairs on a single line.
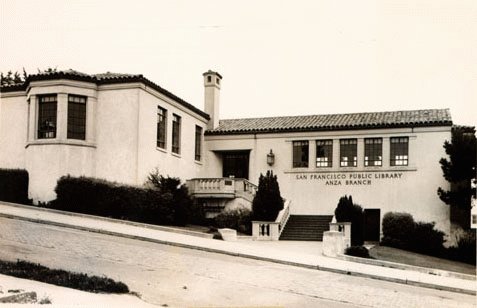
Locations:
{"points": [[33, 118], [333, 243], [62, 116], [90, 119]]}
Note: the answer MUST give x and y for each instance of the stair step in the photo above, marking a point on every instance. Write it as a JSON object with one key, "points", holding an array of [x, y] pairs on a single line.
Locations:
{"points": [[306, 227]]}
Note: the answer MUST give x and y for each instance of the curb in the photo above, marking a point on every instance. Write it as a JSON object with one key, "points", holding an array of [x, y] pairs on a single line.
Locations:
{"points": [[248, 256], [419, 269], [108, 219]]}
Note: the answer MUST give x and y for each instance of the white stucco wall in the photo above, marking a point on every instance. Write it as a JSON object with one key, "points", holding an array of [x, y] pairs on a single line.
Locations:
{"points": [[13, 129], [413, 190], [183, 165], [47, 163], [117, 134]]}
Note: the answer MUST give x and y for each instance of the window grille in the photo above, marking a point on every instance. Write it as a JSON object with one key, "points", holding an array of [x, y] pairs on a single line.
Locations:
{"points": [[176, 131], [47, 109], [324, 153], [300, 154], [399, 151], [373, 151], [161, 127], [76, 117]]}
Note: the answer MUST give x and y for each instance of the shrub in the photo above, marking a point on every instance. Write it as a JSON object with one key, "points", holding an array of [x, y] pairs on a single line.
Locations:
{"points": [[37, 272], [346, 211], [14, 186], [465, 251], [398, 229], [239, 219], [103, 198], [427, 240], [181, 201], [267, 202], [358, 251], [401, 231]]}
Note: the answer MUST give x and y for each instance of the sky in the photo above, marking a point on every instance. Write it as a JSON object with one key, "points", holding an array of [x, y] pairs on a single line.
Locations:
{"points": [[277, 58]]}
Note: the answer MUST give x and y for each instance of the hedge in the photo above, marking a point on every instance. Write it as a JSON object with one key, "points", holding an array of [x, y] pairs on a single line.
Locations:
{"points": [[239, 219], [358, 251], [79, 281], [99, 197], [401, 231], [14, 186]]}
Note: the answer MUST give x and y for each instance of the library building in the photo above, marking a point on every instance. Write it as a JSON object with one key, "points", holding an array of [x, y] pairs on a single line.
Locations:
{"points": [[120, 127]]}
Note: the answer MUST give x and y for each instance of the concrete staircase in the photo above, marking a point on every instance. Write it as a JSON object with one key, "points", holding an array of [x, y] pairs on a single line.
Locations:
{"points": [[306, 227]]}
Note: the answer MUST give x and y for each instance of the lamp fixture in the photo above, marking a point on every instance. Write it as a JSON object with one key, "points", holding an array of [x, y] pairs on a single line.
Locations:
{"points": [[270, 158]]}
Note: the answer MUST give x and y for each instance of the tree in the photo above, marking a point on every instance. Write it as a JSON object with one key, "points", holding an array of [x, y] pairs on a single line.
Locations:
{"points": [[268, 201], [346, 211], [181, 201], [12, 78], [459, 170]]}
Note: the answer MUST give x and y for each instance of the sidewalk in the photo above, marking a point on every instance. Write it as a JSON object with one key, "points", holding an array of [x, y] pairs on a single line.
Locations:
{"points": [[255, 250]]}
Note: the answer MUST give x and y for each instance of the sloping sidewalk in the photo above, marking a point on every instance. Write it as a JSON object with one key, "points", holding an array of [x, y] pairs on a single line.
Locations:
{"points": [[158, 235]]}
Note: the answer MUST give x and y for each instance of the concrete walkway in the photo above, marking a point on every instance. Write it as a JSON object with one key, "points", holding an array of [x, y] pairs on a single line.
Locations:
{"points": [[273, 252]]}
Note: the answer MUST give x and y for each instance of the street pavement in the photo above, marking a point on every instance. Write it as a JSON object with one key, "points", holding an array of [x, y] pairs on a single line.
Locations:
{"points": [[182, 277]]}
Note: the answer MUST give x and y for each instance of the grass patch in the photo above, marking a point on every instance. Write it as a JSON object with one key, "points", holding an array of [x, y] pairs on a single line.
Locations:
{"points": [[391, 254], [79, 281]]}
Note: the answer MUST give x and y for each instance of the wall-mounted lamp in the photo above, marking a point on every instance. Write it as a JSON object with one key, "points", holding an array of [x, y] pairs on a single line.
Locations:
{"points": [[270, 158]]}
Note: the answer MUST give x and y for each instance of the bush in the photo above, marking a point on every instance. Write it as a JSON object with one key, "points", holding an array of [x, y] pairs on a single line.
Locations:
{"points": [[346, 211], [37, 272], [465, 251], [103, 198], [427, 240], [239, 219], [14, 186], [398, 229], [267, 202], [401, 231], [182, 203], [358, 251]]}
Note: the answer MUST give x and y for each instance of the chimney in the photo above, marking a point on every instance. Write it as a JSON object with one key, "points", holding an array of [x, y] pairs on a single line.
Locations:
{"points": [[212, 82]]}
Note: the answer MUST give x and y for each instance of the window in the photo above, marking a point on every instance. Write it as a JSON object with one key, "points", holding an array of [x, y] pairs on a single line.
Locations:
{"points": [[300, 154], [474, 219], [161, 127], [373, 151], [47, 105], [198, 142], [348, 153], [399, 151], [324, 153], [176, 134], [76, 117]]}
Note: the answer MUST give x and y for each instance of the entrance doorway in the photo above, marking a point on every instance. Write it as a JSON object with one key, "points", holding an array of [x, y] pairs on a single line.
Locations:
{"points": [[235, 163], [372, 219]]}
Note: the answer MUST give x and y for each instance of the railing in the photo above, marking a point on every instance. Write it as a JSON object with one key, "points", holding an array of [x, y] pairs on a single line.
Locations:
{"points": [[233, 187], [211, 186], [271, 230]]}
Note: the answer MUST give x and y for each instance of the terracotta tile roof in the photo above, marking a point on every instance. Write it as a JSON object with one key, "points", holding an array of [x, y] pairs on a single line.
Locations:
{"points": [[409, 118], [101, 79]]}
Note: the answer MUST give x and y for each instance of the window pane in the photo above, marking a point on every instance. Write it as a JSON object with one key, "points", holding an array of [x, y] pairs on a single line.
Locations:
{"points": [[300, 154], [76, 117], [198, 142], [324, 153], [348, 152], [373, 151], [399, 151], [47, 116], [176, 131], [161, 127]]}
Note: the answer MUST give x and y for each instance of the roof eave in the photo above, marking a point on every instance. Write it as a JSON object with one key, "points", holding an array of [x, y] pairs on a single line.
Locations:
{"points": [[327, 128]]}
